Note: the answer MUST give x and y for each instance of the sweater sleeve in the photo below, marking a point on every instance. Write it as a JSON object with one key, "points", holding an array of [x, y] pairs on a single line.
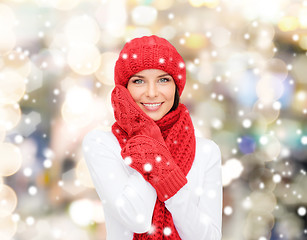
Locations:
{"points": [[122, 190], [197, 210]]}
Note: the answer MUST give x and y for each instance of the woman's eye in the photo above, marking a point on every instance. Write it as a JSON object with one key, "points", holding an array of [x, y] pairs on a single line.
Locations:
{"points": [[137, 81], [164, 80]]}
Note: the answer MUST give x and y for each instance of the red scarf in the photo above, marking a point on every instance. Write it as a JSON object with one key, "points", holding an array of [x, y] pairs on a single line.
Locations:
{"points": [[178, 132]]}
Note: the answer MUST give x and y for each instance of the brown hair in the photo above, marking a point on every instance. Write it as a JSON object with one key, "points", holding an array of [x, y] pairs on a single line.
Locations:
{"points": [[176, 100]]}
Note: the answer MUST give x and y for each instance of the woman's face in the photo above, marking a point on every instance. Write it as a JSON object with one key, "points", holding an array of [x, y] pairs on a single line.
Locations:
{"points": [[154, 91]]}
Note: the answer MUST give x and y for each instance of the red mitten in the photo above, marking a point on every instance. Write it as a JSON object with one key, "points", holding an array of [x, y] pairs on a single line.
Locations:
{"points": [[146, 151], [130, 117]]}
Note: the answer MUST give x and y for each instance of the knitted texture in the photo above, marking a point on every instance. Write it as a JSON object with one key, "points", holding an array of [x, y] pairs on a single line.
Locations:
{"points": [[146, 150], [162, 151], [149, 52]]}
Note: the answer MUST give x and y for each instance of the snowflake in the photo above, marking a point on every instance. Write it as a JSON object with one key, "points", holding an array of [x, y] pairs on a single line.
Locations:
{"points": [[181, 65], [152, 229], [167, 231], [304, 140], [276, 178], [147, 167], [128, 160], [301, 211], [47, 163], [30, 220], [16, 217], [228, 210], [125, 56], [158, 158], [161, 60], [32, 190], [27, 172]]}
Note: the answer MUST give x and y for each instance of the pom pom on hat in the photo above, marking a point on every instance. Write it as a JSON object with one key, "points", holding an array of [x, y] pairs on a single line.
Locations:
{"points": [[149, 52]]}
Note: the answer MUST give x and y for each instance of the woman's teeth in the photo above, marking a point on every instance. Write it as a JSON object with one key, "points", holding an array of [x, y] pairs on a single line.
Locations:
{"points": [[152, 105]]}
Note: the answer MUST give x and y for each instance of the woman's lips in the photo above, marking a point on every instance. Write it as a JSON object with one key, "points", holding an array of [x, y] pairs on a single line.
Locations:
{"points": [[152, 106]]}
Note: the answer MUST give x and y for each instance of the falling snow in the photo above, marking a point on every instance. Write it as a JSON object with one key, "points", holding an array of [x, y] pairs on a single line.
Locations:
{"points": [[261, 131]]}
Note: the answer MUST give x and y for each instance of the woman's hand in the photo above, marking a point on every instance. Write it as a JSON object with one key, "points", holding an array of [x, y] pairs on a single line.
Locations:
{"points": [[145, 150], [130, 117]]}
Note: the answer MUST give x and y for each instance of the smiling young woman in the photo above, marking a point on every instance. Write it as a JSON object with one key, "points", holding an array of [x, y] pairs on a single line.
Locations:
{"points": [[155, 178]]}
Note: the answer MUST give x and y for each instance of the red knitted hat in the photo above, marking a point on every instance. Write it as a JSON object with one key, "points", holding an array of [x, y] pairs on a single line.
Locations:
{"points": [[149, 52]]}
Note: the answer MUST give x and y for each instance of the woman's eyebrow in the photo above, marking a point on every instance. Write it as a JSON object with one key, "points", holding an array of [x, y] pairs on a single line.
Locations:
{"points": [[163, 75], [139, 76]]}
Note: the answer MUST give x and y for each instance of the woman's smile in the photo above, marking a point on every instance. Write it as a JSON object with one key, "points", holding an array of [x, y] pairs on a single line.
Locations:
{"points": [[152, 106]]}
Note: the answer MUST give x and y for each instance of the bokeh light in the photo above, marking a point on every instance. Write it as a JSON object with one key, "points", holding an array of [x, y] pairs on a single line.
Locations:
{"points": [[144, 15], [269, 89], [105, 73], [8, 228], [261, 179], [83, 174], [12, 87], [10, 159], [18, 62], [64, 4], [7, 16], [162, 4], [8, 201], [268, 110], [83, 58], [77, 108], [271, 146], [82, 212], [288, 23], [231, 170], [7, 35], [82, 29], [196, 41], [2, 133], [258, 224]]}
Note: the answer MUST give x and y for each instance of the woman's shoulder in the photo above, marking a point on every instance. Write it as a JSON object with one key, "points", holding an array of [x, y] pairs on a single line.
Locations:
{"points": [[206, 144], [208, 149]]}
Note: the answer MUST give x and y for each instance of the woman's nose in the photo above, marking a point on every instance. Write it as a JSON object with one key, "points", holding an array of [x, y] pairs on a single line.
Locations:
{"points": [[152, 90]]}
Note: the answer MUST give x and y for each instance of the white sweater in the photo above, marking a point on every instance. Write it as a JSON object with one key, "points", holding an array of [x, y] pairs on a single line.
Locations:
{"points": [[128, 200]]}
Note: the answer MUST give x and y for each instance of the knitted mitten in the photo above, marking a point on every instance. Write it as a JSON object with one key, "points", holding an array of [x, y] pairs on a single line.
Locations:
{"points": [[131, 117], [145, 150]]}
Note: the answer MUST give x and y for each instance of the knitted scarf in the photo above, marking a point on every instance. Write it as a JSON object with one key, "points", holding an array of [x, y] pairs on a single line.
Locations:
{"points": [[178, 132]]}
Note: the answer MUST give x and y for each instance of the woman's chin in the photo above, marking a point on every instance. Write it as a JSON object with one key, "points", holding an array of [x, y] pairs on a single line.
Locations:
{"points": [[154, 116]]}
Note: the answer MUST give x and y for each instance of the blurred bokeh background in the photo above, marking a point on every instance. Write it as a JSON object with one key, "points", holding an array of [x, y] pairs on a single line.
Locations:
{"points": [[246, 89]]}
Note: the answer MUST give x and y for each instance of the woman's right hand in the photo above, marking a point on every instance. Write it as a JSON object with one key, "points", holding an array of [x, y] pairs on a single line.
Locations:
{"points": [[130, 117]]}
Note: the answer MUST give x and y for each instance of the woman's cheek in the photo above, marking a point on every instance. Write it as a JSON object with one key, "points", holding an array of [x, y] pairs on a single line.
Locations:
{"points": [[136, 94]]}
